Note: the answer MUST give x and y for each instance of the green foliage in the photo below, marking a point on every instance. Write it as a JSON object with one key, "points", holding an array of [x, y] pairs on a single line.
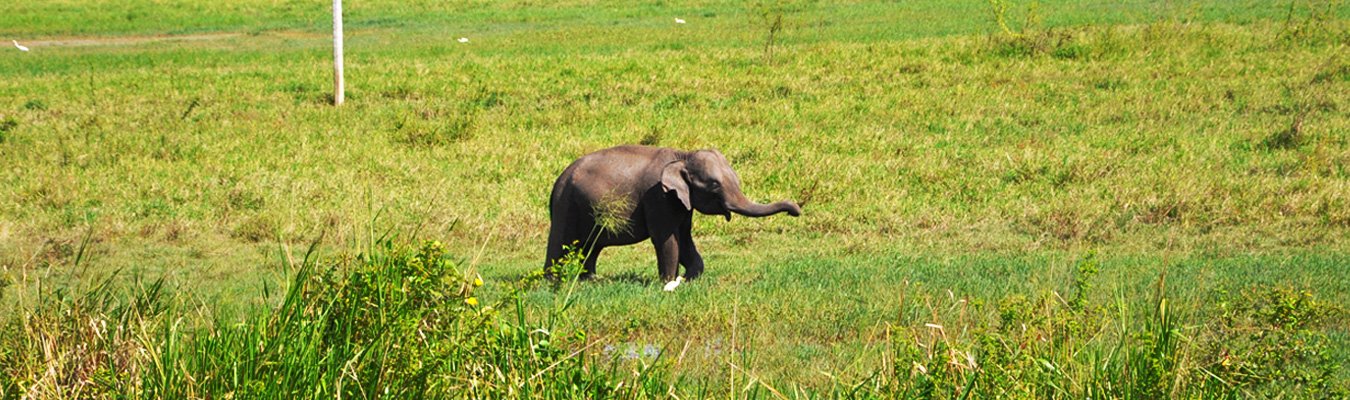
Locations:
{"points": [[1271, 341], [392, 324], [1082, 285], [1265, 344], [567, 269], [35, 105]]}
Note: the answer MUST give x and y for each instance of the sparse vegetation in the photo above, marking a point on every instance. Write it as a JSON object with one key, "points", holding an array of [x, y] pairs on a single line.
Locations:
{"points": [[957, 162]]}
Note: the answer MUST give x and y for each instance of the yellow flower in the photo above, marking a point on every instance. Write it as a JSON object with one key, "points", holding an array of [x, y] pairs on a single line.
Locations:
{"points": [[473, 301], [478, 281]]}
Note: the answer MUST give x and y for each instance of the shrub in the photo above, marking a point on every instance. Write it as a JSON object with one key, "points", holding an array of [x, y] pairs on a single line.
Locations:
{"points": [[396, 323]]}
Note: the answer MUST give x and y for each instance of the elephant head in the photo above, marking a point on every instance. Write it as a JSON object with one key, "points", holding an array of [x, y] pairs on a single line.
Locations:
{"points": [[704, 181]]}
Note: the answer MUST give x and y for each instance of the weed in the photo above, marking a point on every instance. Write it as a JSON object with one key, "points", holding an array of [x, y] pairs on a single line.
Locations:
{"points": [[7, 124], [769, 16], [652, 137], [428, 129], [1311, 20], [566, 269], [611, 215], [257, 228], [1289, 138], [1026, 355]]}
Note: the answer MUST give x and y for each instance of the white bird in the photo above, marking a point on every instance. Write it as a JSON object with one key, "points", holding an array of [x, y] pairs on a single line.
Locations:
{"points": [[463, 40], [21, 47], [679, 21], [670, 286]]}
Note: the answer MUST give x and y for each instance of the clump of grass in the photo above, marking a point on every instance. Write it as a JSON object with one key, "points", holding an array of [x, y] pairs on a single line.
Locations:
{"points": [[1312, 20], [1049, 346], [652, 137], [1032, 38], [1288, 138], [1270, 341], [1029, 38], [256, 229], [393, 323], [433, 128], [6, 125], [769, 16], [87, 344]]}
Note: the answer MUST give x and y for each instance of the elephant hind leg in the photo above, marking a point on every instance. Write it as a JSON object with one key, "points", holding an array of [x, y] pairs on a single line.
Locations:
{"points": [[556, 239], [566, 236], [561, 235]]}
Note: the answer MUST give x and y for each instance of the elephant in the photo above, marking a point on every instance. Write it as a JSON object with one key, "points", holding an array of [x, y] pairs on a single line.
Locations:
{"points": [[623, 195]]}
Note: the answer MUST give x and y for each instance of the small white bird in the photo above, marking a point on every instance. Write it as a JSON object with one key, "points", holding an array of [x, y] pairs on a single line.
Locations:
{"points": [[679, 21], [670, 286], [463, 40], [21, 47]]}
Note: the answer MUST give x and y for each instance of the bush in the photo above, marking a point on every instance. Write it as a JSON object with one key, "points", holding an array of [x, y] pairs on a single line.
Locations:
{"points": [[1268, 343], [398, 324]]}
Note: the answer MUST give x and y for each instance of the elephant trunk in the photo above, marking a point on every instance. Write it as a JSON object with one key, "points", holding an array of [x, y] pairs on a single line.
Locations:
{"points": [[739, 204]]}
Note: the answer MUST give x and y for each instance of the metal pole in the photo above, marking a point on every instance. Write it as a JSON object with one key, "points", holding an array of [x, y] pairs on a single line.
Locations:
{"points": [[337, 53]]}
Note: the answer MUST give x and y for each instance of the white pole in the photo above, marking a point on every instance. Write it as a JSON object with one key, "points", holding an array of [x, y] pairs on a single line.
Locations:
{"points": [[337, 53]]}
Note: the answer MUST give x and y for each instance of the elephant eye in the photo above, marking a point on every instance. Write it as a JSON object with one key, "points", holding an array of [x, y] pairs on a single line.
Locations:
{"points": [[715, 185]]}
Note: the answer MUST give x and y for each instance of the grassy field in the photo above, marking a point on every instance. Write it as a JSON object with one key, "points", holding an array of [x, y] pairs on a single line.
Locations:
{"points": [[938, 155]]}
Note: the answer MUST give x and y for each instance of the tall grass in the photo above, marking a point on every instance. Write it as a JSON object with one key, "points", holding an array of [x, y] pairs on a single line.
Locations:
{"points": [[388, 324], [408, 323], [1048, 346]]}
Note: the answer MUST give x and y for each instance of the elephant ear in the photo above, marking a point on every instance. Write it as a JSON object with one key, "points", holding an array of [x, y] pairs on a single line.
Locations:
{"points": [[672, 180]]}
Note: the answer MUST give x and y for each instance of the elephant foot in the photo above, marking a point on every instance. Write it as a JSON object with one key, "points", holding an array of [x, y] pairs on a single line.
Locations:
{"points": [[670, 286]]}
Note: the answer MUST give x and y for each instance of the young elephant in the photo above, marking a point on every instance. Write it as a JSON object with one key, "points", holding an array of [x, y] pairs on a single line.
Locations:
{"points": [[623, 195]]}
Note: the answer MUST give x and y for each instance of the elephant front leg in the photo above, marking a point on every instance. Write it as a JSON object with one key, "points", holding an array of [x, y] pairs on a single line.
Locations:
{"points": [[667, 255], [689, 257]]}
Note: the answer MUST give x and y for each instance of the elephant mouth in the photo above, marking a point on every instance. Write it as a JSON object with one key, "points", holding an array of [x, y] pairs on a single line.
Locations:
{"points": [[724, 209]]}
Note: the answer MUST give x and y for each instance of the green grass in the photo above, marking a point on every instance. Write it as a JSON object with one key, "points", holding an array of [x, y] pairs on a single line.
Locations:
{"points": [[1206, 139]]}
